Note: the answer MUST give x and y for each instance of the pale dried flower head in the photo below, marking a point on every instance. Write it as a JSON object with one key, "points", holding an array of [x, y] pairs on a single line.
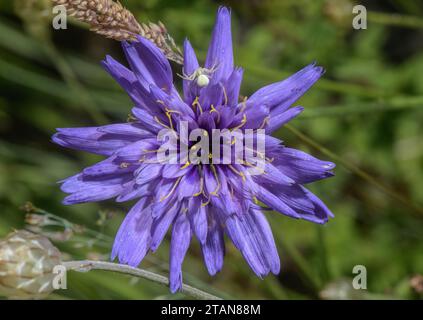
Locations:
{"points": [[112, 20], [26, 265], [38, 220], [416, 282]]}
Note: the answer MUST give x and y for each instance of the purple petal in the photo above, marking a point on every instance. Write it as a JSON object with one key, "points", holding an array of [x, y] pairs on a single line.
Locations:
{"points": [[126, 129], [149, 64], [171, 171], [321, 213], [135, 191], [281, 95], [302, 167], [84, 190], [174, 103], [162, 224], [148, 172], [278, 120], [255, 117], [211, 95], [190, 65], [134, 152], [220, 53], [189, 185], [233, 86], [133, 238], [146, 120], [198, 218], [251, 234], [214, 248], [125, 77], [181, 238], [106, 167], [274, 202], [92, 140], [273, 175]]}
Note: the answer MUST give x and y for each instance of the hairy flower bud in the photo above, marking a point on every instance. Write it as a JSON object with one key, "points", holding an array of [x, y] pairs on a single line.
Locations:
{"points": [[26, 265]]}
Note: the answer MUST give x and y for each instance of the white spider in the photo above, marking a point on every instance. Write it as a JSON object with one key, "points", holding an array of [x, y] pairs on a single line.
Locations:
{"points": [[201, 76]]}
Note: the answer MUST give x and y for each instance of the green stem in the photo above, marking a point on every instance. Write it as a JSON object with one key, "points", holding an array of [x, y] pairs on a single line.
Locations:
{"points": [[334, 86], [394, 19], [302, 265], [361, 173], [88, 265], [379, 106], [106, 241], [325, 272]]}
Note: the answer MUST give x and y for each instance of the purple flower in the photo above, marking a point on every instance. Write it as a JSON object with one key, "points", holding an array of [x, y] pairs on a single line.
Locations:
{"points": [[204, 200]]}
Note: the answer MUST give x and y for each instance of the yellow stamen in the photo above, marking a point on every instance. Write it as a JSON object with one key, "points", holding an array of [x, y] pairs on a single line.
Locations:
{"points": [[203, 204], [213, 109], [131, 118], [243, 122], [201, 184], [225, 95], [241, 174], [169, 117], [197, 103], [264, 123], [172, 190], [186, 165], [214, 193], [161, 123], [173, 111], [260, 154], [244, 104]]}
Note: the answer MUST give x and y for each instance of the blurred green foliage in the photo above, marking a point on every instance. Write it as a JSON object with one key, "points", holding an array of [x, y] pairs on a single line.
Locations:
{"points": [[367, 110]]}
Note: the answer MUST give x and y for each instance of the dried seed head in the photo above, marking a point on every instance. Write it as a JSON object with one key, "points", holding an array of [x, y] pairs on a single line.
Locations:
{"points": [[112, 20], [36, 16], [26, 264]]}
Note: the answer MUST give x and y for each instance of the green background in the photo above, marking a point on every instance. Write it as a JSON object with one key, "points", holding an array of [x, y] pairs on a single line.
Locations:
{"points": [[366, 115]]}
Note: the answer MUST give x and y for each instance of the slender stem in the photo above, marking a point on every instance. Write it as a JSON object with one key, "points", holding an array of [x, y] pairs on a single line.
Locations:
{"points": [[88, 265], [321, 246], [306, 271], [99, 237], [361, 173], [393, 19], [398, 103], [325, 84]]}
